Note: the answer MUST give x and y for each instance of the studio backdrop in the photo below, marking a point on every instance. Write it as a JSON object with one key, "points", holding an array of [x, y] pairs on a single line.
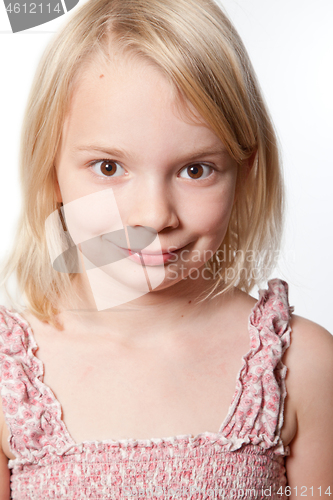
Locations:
{"points": [[290, 43]]}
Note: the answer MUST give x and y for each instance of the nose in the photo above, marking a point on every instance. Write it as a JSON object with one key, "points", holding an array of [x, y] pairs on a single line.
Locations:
{"points": [[152, 204]]}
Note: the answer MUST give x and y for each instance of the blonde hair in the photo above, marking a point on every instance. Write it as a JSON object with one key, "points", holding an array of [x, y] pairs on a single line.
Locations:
{"points": [[195, 45]]}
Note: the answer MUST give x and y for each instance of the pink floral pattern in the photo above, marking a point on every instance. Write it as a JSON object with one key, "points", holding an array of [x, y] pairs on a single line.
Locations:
{"points": [[246, 454]]}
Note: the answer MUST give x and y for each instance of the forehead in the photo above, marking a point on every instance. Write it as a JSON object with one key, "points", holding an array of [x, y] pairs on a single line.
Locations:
{"points": [[125, 96], [121, 67]]}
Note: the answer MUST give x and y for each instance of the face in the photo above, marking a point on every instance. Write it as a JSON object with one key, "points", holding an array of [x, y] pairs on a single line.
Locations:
{"points": [[130, 157]]}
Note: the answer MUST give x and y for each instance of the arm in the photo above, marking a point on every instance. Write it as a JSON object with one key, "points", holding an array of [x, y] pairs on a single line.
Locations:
{"points": [[4, 471], [310, 386]]}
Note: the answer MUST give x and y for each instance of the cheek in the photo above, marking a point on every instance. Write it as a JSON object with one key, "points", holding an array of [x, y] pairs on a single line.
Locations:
{"points": [[210, 215], [70, 185], [92, 215], [216, 225]]}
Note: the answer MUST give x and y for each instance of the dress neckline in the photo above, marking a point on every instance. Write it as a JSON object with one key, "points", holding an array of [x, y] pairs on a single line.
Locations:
{"points": [[146, 441], [221, 435]]}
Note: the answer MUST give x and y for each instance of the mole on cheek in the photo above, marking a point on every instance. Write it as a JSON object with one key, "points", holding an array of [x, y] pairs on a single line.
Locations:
{"points": [[101, 76]]}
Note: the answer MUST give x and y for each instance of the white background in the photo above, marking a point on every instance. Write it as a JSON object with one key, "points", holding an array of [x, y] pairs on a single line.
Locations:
{"points": [[290, 43]]}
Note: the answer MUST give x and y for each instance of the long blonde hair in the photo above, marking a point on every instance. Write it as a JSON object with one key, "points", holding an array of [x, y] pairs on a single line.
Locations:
{"points": [[197, 48]]}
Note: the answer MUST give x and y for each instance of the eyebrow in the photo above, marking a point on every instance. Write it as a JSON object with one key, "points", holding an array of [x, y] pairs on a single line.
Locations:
{"points": [[190, 156], [100, 149]]}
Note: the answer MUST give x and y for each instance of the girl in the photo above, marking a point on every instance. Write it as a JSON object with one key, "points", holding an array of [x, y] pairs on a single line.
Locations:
{"points": [[141, 366]]}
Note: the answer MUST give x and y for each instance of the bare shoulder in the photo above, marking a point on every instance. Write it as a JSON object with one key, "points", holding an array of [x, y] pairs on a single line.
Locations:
{"points": [[309, 328], [309, 360], [312, 345]]}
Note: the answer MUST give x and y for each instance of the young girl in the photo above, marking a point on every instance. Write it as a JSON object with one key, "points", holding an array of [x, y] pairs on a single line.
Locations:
{"points": [[141, 366]]}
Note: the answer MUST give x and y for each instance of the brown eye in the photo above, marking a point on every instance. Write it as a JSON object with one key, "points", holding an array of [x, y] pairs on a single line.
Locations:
{"points": [[107, 168], [197, 171]]}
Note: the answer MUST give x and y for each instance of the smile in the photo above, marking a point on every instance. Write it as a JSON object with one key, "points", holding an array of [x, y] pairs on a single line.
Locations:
{"points": [[151, 258]]}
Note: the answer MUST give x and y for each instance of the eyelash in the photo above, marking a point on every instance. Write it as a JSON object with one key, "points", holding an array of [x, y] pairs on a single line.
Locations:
{"points": [[105, 177]]}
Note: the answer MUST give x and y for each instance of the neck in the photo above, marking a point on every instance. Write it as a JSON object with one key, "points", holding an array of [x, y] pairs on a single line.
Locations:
{"points": [[157, 314]]}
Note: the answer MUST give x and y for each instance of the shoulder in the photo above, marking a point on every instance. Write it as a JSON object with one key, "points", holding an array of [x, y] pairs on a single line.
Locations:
{"points": [[309, 385], [309, 361], [307, 333], [312, 345]]}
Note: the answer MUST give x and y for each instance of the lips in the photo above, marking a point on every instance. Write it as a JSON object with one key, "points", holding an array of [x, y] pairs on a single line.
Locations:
{"points": [[150, 258]]}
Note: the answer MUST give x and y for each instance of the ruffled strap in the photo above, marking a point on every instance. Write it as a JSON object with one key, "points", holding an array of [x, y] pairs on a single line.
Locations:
{"points": [[31, 411], [256, 412]]}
